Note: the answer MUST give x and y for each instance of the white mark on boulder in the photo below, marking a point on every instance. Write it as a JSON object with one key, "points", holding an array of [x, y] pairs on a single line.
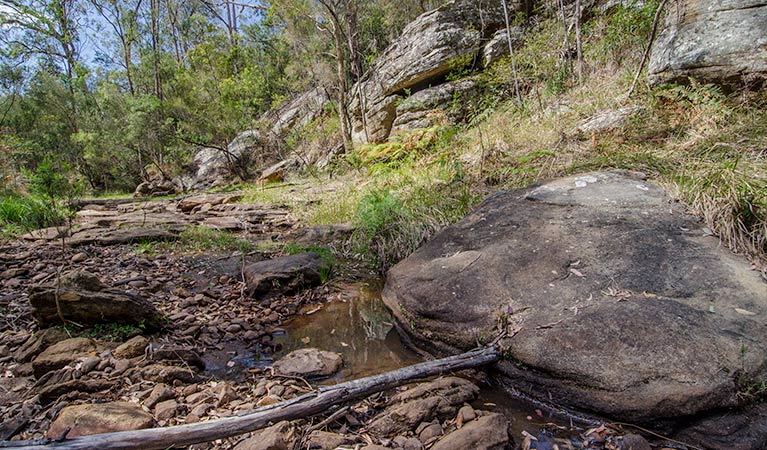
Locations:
{"points": [[584, 181], [643, 187]]}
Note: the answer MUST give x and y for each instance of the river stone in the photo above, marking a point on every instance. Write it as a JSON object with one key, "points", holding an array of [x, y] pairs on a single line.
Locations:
{"points": [[280, 436], [285, 274], [620, 301], [422, 403], [720, 41], [83, 420], [489, 432], [132, 348], [63, 353], [309, 362]]}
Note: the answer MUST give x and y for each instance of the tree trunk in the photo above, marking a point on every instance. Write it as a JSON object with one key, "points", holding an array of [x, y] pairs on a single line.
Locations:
{"points": [[511, 54], [302, 407], [155, 13]]}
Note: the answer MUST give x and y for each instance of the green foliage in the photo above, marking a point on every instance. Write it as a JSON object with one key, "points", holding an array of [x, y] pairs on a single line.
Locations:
{"points": [[114, 332], [393, 219], [20, 213], [202, 238], [623, 31]]}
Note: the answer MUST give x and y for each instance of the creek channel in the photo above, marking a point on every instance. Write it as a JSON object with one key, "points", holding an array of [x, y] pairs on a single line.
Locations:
{"points": [[358, 325]]}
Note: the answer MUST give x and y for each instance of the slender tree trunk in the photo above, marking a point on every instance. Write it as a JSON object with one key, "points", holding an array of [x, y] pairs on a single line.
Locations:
{"points": [[578, 40], [155, 13], [511, 54], [341, 72]]}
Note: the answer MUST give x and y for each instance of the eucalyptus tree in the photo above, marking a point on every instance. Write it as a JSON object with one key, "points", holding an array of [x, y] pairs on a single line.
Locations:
{"points": [[47, 32]]}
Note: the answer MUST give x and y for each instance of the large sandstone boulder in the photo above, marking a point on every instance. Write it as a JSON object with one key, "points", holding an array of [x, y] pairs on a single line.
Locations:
{"points": [[214, 167], [720, 41], [617, 300], [299, 112], [82, 298], [257, 149], [436, 43]]}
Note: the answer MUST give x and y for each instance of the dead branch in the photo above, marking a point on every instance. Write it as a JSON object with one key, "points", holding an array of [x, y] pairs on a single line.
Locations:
{"points": [[649, 47]]}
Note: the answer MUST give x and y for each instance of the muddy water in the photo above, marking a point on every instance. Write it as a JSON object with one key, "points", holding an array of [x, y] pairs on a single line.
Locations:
{"points": [[357, 325]]}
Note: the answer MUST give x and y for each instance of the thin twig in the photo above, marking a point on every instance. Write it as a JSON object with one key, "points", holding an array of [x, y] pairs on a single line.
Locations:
{"points": [[649, 47]]}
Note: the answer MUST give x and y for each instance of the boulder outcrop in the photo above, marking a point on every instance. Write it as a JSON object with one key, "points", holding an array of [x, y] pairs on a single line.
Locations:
{"points": [[618, 301], [722, 41], [448, 38], [257, 149], [82, 298]]}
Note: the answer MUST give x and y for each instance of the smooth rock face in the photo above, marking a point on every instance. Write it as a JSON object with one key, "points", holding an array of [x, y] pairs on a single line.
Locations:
{"points": [[498, 46], [720, 41], [309, 362], [620, 303], [83, 420], [213, 166], [486, 433], [79, 303], [284, 274], [430, 47]]}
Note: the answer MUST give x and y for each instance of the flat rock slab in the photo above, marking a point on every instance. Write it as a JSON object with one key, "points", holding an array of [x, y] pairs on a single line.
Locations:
{"points": [[285, 274], [309, 362], [83, 420], [82, 298], [617, 301]]}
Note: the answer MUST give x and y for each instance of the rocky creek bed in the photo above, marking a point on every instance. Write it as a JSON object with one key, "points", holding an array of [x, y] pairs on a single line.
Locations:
{"points": [[199, 335]]}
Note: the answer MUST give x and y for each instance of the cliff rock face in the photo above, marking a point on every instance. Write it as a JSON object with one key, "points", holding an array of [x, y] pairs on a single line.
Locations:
{"points": [[440, 41], [720, 41]]}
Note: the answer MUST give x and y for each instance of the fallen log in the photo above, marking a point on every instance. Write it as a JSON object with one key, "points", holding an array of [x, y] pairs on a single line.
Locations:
{"points": [[304, 406]]}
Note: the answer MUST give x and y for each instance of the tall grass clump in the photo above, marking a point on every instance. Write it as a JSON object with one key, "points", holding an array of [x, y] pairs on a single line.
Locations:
{"points": [[405, 208], [20, 213]]}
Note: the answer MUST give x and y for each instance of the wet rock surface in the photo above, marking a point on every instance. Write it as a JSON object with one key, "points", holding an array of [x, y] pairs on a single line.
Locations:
{"points": [[309, 362], [617, 300]]}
